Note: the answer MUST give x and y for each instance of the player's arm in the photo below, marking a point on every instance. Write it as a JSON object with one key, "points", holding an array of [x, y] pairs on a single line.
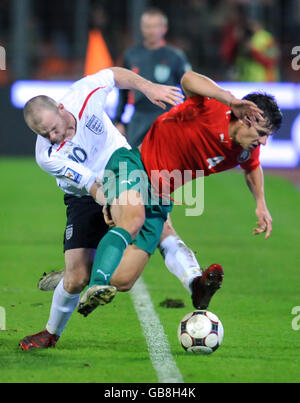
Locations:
{"points": [[255, 182], [158, 94], [122, 101], [197, 84], [97, 192]]}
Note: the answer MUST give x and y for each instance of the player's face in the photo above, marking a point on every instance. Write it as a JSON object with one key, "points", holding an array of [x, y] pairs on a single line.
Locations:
{"points": [[55, 125], [153, 28], [249, 136]]}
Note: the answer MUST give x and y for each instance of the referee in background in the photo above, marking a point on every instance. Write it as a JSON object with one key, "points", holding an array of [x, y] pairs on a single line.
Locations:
{"points": [[155, 61]]}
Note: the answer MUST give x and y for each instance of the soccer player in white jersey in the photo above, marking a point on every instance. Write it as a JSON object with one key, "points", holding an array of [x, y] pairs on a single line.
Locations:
{"points": [[75, 141]]}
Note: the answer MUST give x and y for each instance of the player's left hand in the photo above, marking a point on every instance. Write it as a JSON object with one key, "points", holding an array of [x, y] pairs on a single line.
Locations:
{"points": [[264, 223], [248, 110], [160, 94]]}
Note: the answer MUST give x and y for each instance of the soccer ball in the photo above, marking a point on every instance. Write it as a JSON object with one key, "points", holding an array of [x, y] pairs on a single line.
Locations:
{"points": [[200, 332]]}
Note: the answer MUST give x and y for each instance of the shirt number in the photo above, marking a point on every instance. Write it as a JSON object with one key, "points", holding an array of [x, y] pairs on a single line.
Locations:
{"points": [[78, 155]]}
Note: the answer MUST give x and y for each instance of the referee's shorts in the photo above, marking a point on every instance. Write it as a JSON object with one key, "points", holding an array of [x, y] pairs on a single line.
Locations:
{"points": [[85, 223]]}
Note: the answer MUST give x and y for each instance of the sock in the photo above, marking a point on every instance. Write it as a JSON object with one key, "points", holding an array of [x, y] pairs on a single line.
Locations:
{"points": [[108, 255], [180, 260], [63, 305]]}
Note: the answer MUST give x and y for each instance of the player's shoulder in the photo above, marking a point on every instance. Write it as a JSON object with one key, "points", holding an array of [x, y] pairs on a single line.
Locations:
{"points": [[94, 87], [175, 51], [134, 50], [103, 77]]}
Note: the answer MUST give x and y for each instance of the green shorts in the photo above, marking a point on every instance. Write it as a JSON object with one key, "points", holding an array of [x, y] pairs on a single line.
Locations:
{"points": [[125, 171]]}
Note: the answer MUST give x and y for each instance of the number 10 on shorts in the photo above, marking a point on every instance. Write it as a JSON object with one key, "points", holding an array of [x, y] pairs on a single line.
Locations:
{"points": [[2, 318]]}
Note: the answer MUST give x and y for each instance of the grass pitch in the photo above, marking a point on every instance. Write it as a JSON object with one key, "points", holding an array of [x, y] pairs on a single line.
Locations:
{"points": [[260, 289]]}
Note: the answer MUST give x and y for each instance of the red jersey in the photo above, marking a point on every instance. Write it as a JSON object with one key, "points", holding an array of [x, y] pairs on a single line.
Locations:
{"points": [[194, 136]]}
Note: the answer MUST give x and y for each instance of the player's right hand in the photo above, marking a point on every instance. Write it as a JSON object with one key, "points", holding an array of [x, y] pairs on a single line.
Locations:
{"points": [[161, 95], [107, 217]]}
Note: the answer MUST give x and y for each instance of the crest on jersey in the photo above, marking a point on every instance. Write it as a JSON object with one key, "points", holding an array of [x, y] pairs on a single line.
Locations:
{"points": [[69, 232], [95, 125], [244, 156], [162, 73]]}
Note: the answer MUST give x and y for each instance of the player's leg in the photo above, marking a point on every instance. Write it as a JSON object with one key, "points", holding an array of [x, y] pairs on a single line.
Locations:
{"points": [[65, 299], [181, 261], [131, 267], [128, 219], [66, 295], [134, 259], [125, 183], [85, 227], [123, 278]]}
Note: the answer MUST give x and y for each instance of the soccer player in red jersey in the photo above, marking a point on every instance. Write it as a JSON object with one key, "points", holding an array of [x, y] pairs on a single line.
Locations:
{"points": [[213, 131]]}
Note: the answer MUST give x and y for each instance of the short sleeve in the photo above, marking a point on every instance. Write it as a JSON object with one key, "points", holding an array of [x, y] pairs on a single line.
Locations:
{"points": [[253, 162], [71, 176]]}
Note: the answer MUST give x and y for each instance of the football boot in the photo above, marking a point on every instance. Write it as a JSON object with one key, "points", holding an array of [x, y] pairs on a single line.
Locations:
{"points": [[94, 296], [48, 282], [42, 339], [204, 287]]}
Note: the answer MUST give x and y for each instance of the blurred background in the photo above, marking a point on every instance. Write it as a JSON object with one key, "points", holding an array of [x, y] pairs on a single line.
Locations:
{"points": [[54, 42]]}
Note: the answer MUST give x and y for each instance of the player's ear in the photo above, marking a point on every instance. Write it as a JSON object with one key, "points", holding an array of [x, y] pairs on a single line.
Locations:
{"points": [[61, 107]]}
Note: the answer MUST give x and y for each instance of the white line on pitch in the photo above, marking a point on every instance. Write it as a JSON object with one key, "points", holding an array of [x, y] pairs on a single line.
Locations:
{"points": [[158, 345]]}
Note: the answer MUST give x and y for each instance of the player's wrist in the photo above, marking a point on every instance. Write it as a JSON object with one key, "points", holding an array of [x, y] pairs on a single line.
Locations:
{"points": [[230, 98]]}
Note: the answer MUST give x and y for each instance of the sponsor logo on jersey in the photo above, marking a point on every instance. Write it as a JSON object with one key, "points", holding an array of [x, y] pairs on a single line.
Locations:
{"points": [[73, 175], [244, 156], [95, 125], [162, 73]]}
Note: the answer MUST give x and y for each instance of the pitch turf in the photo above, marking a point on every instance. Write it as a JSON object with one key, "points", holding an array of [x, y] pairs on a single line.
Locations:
{"points": [[261, 287]]}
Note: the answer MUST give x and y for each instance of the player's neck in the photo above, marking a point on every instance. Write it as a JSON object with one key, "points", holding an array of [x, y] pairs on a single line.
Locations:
{"points": [[232, 130]]}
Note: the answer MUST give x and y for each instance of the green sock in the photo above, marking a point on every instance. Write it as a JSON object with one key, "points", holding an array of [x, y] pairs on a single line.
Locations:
{"points": [[108, 255]]}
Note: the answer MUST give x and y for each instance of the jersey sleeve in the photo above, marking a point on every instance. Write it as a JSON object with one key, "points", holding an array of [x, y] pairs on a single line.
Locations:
{"points": [[71, 176], [253, 162], [104, 79], [95, 87]]}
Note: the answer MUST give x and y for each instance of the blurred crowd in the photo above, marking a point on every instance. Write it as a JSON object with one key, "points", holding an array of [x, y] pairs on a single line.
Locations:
{"points": [[239, 40]]}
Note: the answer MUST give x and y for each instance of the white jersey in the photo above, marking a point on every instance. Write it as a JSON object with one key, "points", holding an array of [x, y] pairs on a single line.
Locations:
{"points": [[78, 162]]}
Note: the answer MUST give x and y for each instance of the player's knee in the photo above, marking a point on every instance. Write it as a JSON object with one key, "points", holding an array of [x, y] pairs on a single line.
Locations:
{"points": [[76, 281], [123, 284], [167, 231]]}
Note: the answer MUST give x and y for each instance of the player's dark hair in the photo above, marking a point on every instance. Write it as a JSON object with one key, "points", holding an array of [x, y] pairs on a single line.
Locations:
{"points": [[268, 104]]}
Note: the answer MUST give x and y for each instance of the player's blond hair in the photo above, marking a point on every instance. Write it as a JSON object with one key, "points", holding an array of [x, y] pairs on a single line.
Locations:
{"points": [[34, 107], [156, 11]]}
